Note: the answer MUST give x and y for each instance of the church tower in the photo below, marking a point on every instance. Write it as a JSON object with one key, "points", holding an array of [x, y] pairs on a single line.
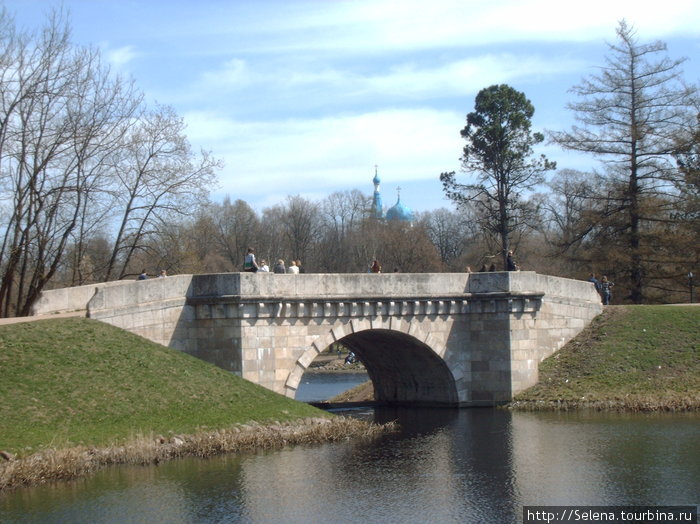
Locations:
{"points": [[377, 207]]}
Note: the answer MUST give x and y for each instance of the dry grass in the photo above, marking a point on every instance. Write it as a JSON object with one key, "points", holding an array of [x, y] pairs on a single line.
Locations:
{"points": [[628, 404], [65, 464], [361, 393]]}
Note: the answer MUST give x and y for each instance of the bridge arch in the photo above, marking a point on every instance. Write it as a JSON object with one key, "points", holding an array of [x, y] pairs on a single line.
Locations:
{"points": [[402, 365]]}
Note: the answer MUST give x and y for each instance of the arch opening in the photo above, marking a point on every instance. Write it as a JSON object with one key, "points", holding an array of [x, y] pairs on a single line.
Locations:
{"points": [[332, 373], [403, 369]]}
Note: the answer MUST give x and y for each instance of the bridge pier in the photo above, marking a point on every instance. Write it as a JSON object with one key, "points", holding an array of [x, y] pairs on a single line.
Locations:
{"points": [[426, 339]]}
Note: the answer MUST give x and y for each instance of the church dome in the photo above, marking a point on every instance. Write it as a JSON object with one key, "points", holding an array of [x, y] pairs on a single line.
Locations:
{"points": [[399, 212]]}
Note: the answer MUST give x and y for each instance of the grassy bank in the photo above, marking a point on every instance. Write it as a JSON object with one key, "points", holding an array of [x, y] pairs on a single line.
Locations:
{"points": [[631, 358], [69, 382], [78, 394]]}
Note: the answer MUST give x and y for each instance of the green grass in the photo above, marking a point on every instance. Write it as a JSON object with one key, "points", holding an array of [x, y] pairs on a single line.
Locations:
{"points": [[66, 382], [634, 356]]}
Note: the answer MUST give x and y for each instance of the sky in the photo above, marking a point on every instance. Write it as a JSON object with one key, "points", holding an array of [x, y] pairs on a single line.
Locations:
{"points": [[307, 97]]}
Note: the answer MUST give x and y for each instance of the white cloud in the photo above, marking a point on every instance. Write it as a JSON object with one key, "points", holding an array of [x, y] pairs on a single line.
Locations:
{"points": [[234, 73], [464, 76], [328, 154], [240, 87], [121, 56], [373, 25]]}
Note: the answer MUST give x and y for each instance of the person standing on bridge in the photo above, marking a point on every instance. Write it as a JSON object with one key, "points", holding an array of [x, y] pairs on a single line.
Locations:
{"points": [[376, 268], [249, 263], [510, 262], [279, 267]]}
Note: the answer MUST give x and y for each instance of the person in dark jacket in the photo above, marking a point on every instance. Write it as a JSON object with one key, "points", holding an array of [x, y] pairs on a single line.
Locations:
{"points": [[279, 267], [510, 262]]}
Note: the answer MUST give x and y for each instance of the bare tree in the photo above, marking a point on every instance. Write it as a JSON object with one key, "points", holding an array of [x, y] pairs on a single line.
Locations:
{"points": [[75, 152], [450, 233], [59, 112], [301, 227], [158, 178], [632, 116], [196, 249], [342, 213], [105, 109], [271, 244], [407, 248], [569, 208], [237, 228]]}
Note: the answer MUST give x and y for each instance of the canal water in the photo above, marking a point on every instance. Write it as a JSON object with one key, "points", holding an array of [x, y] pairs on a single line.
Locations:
{"points": [[445, 465], [317, 387]]}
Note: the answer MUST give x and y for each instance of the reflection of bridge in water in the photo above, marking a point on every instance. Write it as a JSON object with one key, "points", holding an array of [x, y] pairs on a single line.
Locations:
{"points": [[452, 339]]}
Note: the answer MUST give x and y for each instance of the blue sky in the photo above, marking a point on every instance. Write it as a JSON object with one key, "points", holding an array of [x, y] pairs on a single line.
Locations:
{"points": [[306, 97]]}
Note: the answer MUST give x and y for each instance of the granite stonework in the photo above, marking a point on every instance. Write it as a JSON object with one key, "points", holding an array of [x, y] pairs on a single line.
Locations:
{"points": [[452, 339]]}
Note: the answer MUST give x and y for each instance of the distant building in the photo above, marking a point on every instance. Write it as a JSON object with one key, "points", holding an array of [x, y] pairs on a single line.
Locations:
{"points": [[397, 212]]}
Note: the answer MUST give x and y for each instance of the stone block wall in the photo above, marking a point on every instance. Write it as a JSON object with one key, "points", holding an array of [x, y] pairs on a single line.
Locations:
{"points": [[154, 308]]}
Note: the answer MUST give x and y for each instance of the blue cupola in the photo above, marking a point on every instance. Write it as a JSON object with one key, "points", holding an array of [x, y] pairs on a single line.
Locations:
{"points": [[399, 211]]}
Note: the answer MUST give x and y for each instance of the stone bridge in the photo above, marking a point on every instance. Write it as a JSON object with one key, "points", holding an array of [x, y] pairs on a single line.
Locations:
{"points": [[447, 339]]}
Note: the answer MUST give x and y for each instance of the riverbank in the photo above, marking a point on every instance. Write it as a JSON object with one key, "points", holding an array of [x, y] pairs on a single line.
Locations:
{"points": [[69, 463], [78, 394], [630, 358], [328, 362]]}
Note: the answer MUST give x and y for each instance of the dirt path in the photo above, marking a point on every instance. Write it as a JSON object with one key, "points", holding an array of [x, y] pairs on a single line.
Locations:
{"points": [[17, 320]]}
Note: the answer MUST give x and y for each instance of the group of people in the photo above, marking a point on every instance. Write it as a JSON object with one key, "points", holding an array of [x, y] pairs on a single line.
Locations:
{"points": [[603, 287], [144, 276], [510, 265], [250, 265], [294, 267]]}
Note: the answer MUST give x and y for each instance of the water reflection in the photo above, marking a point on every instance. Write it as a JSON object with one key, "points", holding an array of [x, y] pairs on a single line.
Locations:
{"points": [[601, 458], [473, 465]]}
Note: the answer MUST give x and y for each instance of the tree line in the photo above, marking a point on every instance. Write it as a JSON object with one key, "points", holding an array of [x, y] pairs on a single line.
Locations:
{"points": [[96, 185], [637, 217]]}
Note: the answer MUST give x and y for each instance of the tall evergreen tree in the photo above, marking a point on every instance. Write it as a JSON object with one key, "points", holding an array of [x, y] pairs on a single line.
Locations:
{"points": [[499, 152], [631, 116]]}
